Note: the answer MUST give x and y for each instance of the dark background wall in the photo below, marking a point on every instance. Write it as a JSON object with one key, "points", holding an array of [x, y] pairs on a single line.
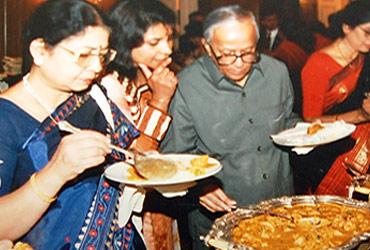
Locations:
{"points": [[13, 15], [206, 6], [18, 11]]}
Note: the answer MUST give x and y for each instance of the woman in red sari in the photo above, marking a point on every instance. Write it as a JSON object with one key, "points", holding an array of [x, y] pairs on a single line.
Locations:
{"points": [[334, 83]]}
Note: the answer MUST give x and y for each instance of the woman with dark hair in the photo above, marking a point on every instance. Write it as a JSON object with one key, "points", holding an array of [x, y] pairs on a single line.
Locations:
{"points": [[141, 83], [335, 83], [53, 195], [139, 78]]}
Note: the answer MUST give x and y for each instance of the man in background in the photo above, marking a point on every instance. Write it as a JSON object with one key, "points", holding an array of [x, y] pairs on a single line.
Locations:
{"points": [[271, 36]]}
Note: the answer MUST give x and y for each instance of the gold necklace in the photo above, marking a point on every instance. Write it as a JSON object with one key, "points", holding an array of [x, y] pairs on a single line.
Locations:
{"points": [[347, 62], [39, 100]]}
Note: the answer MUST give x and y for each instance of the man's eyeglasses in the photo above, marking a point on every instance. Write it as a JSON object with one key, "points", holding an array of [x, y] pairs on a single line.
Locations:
{"points": [[84, 59], [228, 59]]}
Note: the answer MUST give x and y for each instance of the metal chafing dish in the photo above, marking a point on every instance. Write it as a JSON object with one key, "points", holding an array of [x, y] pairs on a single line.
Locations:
{"points": [[220, 235]]}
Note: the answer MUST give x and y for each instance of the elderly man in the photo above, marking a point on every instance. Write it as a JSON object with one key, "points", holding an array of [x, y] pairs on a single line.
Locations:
{"points": [[227, 105]]}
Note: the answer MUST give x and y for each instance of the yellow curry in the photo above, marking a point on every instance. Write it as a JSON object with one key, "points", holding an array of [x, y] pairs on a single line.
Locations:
{"points": [[316, 226]]}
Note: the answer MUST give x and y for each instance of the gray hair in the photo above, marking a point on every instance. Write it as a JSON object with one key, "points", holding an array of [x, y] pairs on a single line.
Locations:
{"points": [[224, 14]]}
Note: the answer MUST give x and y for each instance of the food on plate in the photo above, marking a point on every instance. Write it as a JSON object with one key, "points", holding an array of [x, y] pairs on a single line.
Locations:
{"points": [[314, 128], [201, 161], [313, 226], [199, 165], [133, 175], [22, 246], [165, 167], [156, 168]]}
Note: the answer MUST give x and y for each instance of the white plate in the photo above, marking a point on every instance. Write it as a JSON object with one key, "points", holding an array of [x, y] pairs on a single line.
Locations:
{"points": [[298, 136], [119, 171]]}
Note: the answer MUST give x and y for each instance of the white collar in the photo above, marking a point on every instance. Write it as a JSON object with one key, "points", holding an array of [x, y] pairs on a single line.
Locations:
{"points": [[274, 32]]}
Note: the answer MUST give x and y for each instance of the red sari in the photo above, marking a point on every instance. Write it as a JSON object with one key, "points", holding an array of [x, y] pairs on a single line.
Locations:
{"points": [[322, 93]]}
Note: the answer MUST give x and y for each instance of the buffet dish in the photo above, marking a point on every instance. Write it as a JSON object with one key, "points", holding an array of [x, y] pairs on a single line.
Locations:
{"points": [[298, 222]]}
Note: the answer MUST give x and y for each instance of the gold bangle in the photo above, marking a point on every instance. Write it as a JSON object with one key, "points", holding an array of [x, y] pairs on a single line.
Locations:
{"points": [[39, 193]]}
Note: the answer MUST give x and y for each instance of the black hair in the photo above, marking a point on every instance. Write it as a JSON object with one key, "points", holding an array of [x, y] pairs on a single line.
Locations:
{"points": [[130, 19], [56, 20], [194, 29], [194, 15], [354, 14], [297, 31], [335, 25], [316, 26], [268, 10]]}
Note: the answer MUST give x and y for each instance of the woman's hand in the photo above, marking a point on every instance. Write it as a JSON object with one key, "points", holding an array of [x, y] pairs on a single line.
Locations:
{"points": [[75, 153], [215, 200], [162, 82], [356, 116], [6, 245], [78, 152]]}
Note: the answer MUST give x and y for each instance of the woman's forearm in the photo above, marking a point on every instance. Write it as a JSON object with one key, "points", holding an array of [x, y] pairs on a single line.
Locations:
{"points": [[21, 209]]}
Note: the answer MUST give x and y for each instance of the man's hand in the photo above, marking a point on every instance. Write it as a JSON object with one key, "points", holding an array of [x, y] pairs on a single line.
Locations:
{"points": [[215, 200]]}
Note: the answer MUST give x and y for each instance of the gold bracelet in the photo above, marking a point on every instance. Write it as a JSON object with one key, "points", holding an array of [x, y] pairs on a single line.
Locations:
{"points": [[39, 193]]}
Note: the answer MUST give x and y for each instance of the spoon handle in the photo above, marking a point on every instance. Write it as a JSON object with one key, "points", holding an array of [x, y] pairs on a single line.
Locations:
{"points": [[127, 153], [68, 127]]}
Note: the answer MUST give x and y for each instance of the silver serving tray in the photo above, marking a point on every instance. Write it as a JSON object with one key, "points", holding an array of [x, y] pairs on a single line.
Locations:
{"points": [[220, 234]]}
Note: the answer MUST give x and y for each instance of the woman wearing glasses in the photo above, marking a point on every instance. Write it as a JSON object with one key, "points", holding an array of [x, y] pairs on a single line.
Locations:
{"points": [[142, 84], [335, 81], [52, 192]]}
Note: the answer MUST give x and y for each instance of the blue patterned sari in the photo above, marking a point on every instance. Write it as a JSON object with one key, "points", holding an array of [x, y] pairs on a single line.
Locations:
{"points": [[85, 214]]}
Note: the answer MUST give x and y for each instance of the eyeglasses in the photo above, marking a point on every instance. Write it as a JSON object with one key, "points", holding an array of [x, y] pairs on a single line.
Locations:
{"points": [[84, 59], [228, 59]]}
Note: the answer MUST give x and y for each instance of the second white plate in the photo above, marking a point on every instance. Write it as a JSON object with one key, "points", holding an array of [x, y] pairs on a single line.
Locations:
{"points": [[298, 136]]}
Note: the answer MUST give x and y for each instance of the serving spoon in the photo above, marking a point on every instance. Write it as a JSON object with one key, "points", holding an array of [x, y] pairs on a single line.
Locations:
{"points": [[269, 212], [275, 214]]}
